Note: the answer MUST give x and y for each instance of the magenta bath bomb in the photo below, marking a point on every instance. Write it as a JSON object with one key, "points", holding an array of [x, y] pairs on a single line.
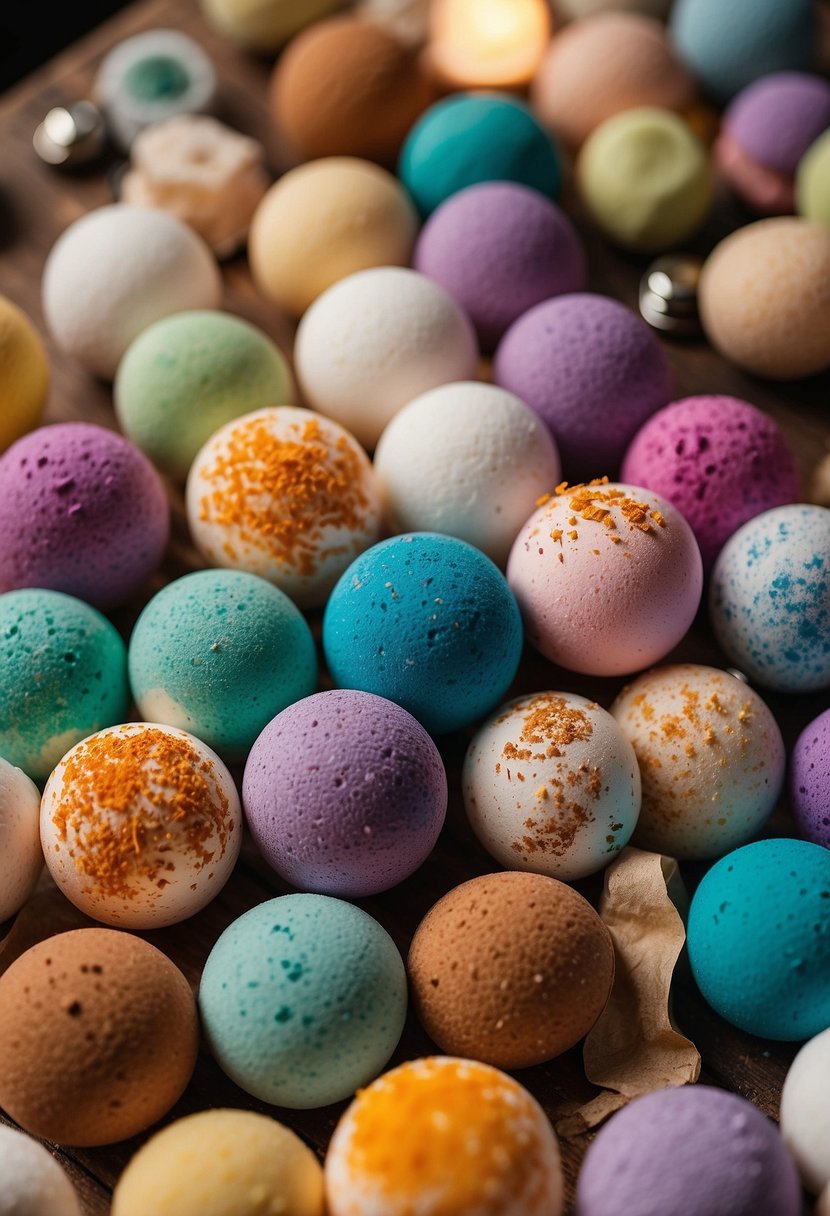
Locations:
{"points": [[719, 460], [345, 793], [810, 781], [82, 511], [498, 249], [592, 370], [689, 1151]]}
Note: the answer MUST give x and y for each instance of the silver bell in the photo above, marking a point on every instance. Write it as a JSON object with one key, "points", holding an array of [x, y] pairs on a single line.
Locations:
{"points": [[668, 294], [71, 135]]}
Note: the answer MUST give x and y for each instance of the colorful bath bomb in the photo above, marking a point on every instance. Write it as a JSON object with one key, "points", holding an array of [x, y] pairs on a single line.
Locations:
{"points": [[725, 1156], [758, 940], [551, 785], [191, 373], [63, 676], [21, 857], [141, 825], [429, 622], [34, 1184], [467, 459], [510, 968], [115, 271], [812, 183], [98, 1037], [377, 339], [809, 781], [263, 25], [82, 511], [303, 1000], [454, 1137], [769, 598], [608, 578], [221, 1163], [285, 494], [499, 248], [592, 370], [487, 43], [805, 1120], [24, 374], [720, 461], [476, 137]]}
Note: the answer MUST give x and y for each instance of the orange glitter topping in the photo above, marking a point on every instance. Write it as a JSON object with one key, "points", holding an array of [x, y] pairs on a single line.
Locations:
{"points": [[593, 501]]}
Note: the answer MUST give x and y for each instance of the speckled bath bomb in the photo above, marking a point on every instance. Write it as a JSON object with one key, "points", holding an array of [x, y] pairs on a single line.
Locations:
{"points": [[810, 781]]}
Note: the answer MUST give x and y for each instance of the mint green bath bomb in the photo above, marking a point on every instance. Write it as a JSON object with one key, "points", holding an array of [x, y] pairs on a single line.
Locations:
{"points": [[812, 182], [189, 374]]}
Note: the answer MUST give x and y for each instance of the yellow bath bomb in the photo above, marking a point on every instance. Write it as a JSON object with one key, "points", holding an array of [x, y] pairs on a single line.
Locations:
{"points": [[264, 25], [812, 182], [24, 374]]}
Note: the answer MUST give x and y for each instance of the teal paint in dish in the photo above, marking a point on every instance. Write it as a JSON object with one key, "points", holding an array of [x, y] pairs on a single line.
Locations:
{"points": [[156, 78]]}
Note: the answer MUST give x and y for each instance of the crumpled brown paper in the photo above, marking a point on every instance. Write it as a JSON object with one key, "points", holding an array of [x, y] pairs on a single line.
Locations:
{"points": [[634, 1047]]}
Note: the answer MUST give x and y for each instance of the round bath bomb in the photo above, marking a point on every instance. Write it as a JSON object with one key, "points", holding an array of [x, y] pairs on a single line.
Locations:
{"points": [[21, 857], [551, 785], [141, 825], [585, 8], [812, 183], [510, 968], [711, 758], [487, 43], [98, 1037], [115, 271], [188, 375], [608, 578], [531, 253], [604, 64], [445, 1137], [346, 87], [263, 25], [221, 1163], [377, 339], [219, 653], [324, 221], [303, 1000], [809, 781], [592, 370], [769, 598], [466, 459], [286, 494], [63, 676], [719, 460], [82, 511], [476, 137], [24, 374], [758, 940], [725, 1157], [805, 1119], [429, 622], [34, 1184]]}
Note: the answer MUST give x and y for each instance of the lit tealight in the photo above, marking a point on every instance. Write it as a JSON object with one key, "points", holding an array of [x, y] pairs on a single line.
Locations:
{"points": [[488, 43]]}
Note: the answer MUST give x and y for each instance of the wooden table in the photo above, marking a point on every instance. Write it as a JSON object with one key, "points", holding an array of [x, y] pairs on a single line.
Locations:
{"points": [[36, 204]]}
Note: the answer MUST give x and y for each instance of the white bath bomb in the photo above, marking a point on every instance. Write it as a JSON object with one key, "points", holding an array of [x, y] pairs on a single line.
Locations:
{"points": [[805, 1113], [32, 1183]]}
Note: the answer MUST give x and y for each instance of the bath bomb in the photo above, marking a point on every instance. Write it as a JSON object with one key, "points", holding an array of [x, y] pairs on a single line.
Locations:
{"points": [[98, 1037], [592, 370], [551, 785], [324, 221], [24, 374], [720, 461], [375, 340], [82, 511], [345, 794], [218, 653], [476, 137], [63, 676], [608, 578], [303, 1000], [429, 622], [585, 8], [34, 1184], [445, 1137], [263, 25], [812, 183], [188, 375], [467, 459], [764, 298], [769, 598], [711, 758], [725, 1157], [809, 781], [805, 1120], [510, 968], [487, 43], [115, 271], [531, 253], [758, 941], [221, 1163], [285, 494], [21, 857], [141, 825]]}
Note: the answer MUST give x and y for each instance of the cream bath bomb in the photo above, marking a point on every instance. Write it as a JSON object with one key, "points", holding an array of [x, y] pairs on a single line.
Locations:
{"points": [[24, 374], [33, 1183], [805, 1117], [21, 857], [812, 182], [264, 25]]}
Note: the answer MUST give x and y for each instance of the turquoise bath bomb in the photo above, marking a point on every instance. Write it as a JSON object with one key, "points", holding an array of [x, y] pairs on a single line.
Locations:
{"points": [[303, 1000], [63, 676], [219, 653], [189, 374]]}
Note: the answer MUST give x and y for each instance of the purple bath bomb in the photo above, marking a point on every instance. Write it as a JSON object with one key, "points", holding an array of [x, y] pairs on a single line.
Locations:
{"points": [[775, 119], [719, 460], [345, 793], [692, 1151], [82, 511], [592, 370], [810, 781], [499, 248]]}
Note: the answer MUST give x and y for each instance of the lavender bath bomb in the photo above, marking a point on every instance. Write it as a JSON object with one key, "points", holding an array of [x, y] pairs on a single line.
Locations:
{"points": [[810, 781], [345, 793], [776, 118]]}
